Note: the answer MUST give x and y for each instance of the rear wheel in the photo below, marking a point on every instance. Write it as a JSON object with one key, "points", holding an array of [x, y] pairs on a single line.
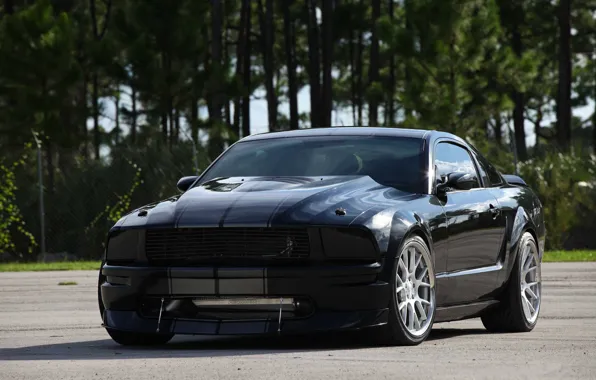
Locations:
{"points": [[520, 305], [412, 309]]}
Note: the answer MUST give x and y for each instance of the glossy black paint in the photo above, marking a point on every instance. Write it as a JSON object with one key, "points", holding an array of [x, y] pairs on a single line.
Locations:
{"points": [[472, 234]]}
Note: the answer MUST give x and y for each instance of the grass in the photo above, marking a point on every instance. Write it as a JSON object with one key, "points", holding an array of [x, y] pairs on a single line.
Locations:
{"points": [[561, 256], [549, 256], [37, 267], [65, 283]]}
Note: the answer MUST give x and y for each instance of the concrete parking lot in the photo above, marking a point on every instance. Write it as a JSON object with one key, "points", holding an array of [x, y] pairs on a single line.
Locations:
{"points": [[49, 331]]}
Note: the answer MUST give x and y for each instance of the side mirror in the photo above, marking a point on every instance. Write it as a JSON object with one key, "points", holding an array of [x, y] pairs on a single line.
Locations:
{"points": [[185, 182], [458, 181]]}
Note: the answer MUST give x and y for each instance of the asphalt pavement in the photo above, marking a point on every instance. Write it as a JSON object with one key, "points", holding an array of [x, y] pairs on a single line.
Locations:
{"points": [[48, 331]]}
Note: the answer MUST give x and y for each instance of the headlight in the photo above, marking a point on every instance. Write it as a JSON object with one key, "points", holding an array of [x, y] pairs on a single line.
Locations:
{"points": [[348, 243], [125, 246]]}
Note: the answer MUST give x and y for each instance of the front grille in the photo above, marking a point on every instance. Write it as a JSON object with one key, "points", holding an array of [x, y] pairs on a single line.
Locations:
{"points": [[179, 245]]}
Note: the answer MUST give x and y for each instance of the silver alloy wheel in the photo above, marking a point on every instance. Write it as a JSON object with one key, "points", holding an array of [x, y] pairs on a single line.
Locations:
{"points": [[530, 282], [415, 290]]}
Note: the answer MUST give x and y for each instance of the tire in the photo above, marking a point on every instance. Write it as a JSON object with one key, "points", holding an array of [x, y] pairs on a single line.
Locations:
{"points": [[399, 330], [101, 279], [127, 338], [516, 312]]}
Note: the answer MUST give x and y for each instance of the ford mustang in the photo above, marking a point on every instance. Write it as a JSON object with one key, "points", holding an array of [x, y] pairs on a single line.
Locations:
{"points": [[384, 229]]}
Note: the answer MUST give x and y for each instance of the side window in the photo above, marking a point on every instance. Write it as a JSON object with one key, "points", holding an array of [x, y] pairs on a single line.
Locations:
{"points": [[450, 158], [483, 174], [494, 178]]}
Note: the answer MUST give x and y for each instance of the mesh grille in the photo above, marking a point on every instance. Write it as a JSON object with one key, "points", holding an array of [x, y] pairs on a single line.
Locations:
{"points": [[169, 246]]}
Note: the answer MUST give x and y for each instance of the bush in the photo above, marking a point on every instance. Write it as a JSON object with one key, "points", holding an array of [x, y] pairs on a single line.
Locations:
{"points": [[565, 184]]}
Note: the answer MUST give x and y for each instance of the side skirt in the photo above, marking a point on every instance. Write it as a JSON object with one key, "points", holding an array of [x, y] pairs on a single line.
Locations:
{"points": [[459, 312]]}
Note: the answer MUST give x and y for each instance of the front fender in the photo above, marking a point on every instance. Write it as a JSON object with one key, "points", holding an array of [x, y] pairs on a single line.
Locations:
{"points": [[391, 227]]}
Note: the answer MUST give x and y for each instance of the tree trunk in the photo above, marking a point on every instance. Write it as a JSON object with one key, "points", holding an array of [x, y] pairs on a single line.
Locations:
{"points": [[50, 165], [359, 74], [407, 64], [353, 97], [226, 58], [246, 71], [95, 95], [452, 87], [538, 126], [117, 117], [267, 27], [97, 36], [314, 70], [164, 125], [176, 125], [519, 127], [133, 123], [163, 102], [48, 144], [327, 94], [216, 55], [594, 114], [517, 97], [172, 117], [84, 115], [373, 69], [498, 130], [240, 48], [290, 42], [391, 101], [194, 118], [564, 86]]}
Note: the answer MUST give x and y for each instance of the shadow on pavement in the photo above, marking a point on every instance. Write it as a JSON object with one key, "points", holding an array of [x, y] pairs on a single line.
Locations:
{"points": [[197, 346]]}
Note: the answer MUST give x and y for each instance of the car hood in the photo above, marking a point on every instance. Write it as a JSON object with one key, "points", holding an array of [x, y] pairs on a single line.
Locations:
{"points": [[267, 201]]}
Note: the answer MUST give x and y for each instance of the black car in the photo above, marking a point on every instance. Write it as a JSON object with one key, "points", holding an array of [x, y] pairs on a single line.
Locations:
{"points": [[329, 229]]}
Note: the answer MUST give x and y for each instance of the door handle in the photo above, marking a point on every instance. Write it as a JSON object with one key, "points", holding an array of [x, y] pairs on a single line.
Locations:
{"points": [[494, 211]]}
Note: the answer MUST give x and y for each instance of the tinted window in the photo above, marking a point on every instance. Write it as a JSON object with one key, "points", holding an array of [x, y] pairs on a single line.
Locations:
{"points": [[494, 178], [391, 161], [451, 158]]}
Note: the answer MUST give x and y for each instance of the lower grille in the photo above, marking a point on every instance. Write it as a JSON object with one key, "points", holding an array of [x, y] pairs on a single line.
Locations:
{"points": [[180, 245]]}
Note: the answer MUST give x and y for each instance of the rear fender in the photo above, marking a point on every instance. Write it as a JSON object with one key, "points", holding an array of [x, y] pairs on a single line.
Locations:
{"points": [[521, 223]]}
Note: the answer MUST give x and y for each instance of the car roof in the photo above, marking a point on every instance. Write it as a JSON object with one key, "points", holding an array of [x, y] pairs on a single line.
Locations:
{"points": [[352, 131]]}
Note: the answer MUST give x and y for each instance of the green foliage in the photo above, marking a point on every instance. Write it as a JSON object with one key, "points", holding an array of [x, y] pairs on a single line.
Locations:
{"points": [[11, 218], [566, 187], [569, 256]]}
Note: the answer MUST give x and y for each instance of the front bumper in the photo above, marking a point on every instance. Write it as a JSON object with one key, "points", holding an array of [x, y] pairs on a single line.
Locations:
{"points": [[341, 297]]}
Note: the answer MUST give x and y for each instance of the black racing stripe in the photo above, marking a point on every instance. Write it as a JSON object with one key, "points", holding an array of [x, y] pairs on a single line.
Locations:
{"points": [[216, 279], [276, 209], [227, 211]]}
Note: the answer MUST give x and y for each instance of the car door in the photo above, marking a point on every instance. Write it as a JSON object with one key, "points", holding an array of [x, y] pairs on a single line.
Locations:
{"points": [[475, 227]]}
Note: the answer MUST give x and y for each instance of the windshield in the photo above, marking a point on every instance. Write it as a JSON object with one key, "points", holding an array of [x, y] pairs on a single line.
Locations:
{"points": [[391, 161]]}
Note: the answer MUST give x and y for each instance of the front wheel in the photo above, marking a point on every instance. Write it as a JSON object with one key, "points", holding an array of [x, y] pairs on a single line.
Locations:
{"points": [[412, 308], [520, 306]]}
